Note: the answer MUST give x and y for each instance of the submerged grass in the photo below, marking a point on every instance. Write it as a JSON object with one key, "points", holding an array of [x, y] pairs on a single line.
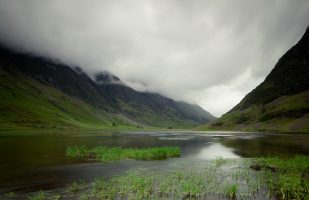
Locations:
{"points": [[9, 195], [38, 196], [211, 182], [282, 178], [118, 153], [77, 186], [208, 183], [287, 178], [41, 195], [231, 191]]}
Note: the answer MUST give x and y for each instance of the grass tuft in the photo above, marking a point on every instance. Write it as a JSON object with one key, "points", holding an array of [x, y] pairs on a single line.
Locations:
{"points": [[38, 196], [118, 153], [231, 191], [77, 186], [219, 161]]}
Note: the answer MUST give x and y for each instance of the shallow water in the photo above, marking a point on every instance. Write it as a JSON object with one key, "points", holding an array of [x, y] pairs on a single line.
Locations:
{"points": [[31, 163]]}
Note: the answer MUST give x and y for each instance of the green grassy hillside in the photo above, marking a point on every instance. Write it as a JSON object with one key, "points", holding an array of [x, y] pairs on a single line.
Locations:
{"points": [[29, 104], [286, 113], [40, 93], [26, 104]]}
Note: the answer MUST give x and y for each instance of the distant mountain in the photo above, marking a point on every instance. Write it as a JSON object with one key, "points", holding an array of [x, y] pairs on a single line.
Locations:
{"points": [[40, 93], [152, 108], [281, 102]]}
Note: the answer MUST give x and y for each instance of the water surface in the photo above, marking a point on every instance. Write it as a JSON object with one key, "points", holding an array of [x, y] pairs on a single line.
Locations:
{"points": [[31, 163]]}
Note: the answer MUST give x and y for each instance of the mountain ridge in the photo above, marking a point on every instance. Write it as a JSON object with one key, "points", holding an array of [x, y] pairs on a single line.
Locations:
{"points": [[280, 102], [110, 101]]}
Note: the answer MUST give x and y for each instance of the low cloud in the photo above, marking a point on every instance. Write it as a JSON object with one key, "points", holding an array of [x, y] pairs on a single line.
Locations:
{"points": [[206, 52]]}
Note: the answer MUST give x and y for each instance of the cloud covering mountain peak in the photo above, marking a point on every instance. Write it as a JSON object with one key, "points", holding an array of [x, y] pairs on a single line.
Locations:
{"points": [[207, 52]]}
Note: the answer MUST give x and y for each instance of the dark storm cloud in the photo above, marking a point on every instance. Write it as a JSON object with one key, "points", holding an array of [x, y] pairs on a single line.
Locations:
{"points": [[206, 52]]}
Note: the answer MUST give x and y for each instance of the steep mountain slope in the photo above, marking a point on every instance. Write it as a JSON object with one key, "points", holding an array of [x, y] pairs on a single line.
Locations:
{"points": [[55, 75], [36, 92], [154, 109], [26, 103], [281, 102]]}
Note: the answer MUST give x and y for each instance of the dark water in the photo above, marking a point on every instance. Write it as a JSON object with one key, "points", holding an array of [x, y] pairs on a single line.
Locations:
{"points": [[31, 163]]}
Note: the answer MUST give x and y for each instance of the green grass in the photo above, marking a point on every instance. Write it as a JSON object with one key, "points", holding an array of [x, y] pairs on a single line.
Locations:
{"points": [[76, 186], [210, 182], [41, 195], [9, 195], [284, 114], [220, 161], [38, 196], [118, 153], [288, 178], [280, 178], [231, 191]]}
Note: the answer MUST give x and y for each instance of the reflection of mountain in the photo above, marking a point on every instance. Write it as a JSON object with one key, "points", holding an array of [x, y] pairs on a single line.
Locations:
{"points": [[39, 93], [268, 145], [281, 102]]}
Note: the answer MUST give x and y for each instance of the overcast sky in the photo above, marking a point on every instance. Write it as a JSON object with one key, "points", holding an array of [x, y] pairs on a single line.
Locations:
{"points": [[211, 53]]}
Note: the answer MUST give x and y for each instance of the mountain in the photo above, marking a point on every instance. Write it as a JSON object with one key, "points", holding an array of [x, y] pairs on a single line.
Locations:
{"points": [[38, 92], [105, 78], [152, 108], [281, 102]]}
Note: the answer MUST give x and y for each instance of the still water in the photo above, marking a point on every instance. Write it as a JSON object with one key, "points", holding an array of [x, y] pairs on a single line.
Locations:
{"points": [[31, 163]]}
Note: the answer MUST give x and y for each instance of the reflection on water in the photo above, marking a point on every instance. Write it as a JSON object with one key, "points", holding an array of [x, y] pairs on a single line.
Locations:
{"points": [[216, 150], [176, 138], [39, 162]]}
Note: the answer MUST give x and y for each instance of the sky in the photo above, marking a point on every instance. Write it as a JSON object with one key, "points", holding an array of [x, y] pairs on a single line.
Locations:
{"points": [[211, 53]]}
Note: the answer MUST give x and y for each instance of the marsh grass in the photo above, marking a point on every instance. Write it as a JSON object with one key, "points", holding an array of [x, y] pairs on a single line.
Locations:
{"points": [[41, 195], [118, 153], [9, 195], [220, 161], [77, 186], [207, 183], [56, 197], [219, 179], [287, 178], [77, 151], [231, 191], [38, 196]]}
